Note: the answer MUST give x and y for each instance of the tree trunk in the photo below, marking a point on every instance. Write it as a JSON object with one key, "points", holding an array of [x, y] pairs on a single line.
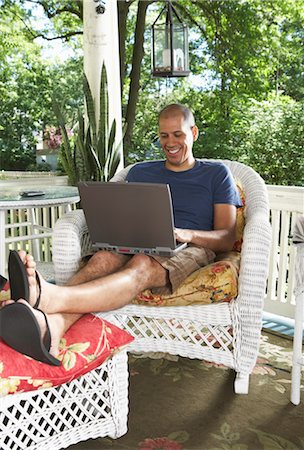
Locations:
{"points": [[138, 53], [122, 9]]}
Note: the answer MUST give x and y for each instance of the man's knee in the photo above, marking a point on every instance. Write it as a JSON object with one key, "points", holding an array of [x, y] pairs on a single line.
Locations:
{"points": [[148, 270], [141, 260]]}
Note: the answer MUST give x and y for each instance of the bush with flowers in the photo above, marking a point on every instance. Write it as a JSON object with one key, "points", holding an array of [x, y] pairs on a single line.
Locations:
{"points": [[52, 136]]}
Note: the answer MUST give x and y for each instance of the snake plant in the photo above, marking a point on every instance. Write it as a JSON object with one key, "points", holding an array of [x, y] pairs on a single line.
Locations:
{"points": [[93, 154]]}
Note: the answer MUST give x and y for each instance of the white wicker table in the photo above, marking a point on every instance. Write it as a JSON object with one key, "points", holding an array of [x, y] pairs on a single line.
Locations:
{"points": [[10, 199]]}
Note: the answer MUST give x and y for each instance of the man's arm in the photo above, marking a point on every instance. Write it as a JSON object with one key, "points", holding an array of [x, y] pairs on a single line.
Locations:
{"points": [[221, 239]]}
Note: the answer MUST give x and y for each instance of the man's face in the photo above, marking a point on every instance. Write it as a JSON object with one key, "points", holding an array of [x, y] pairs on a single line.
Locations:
{"points": [[176, 139]]}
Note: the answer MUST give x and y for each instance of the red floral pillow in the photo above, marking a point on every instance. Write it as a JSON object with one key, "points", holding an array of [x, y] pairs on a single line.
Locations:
{"points": [[86, 345]]}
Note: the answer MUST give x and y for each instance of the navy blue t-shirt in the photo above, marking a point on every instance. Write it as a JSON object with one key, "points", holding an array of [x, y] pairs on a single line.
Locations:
{"points": [[193, 191]]}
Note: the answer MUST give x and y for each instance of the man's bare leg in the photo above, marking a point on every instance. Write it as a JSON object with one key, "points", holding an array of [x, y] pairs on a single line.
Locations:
{"points": [[100, 264], [59, 323], [110, 292], [64, 305]]}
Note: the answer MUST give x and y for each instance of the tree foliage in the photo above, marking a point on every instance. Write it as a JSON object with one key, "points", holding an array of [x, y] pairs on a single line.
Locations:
{"points": [[27, 83], [246, 88]]}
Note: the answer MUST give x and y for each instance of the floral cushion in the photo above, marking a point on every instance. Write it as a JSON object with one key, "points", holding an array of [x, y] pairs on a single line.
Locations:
{"points": [[5, 292], [240, 220], [86, 345], [215, 283]]}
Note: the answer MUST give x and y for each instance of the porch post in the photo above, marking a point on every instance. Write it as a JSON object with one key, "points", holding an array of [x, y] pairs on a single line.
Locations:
{"points": [[100, 44]]}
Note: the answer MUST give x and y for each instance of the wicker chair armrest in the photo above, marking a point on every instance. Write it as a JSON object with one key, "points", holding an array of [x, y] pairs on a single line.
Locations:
{"points": [[70, 242], [248, 307]]}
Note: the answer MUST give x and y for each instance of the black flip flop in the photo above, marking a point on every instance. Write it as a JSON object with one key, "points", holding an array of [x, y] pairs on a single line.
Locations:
{"points": [[19, 329], [18, 278]]}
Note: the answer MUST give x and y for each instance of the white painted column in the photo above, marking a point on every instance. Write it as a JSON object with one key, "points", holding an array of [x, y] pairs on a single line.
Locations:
{"points": [[101, 44]]}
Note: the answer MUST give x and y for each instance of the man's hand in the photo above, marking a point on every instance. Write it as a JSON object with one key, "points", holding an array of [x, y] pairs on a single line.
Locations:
{"points": [[182, 235], [221, 238]]}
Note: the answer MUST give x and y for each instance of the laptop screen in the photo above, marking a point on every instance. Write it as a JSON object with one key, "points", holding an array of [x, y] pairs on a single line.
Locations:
{"points": [[129, 215]]}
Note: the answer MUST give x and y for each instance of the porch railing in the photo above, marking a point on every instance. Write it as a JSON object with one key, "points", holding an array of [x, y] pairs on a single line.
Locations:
{"points": [[19, 227], [286, 204]]}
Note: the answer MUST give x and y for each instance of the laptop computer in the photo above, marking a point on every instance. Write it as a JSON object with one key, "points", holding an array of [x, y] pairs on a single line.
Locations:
{"points": [[130, 218]]}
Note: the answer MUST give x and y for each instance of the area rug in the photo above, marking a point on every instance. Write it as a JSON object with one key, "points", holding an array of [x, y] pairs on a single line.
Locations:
{"points": [[182, 404]]}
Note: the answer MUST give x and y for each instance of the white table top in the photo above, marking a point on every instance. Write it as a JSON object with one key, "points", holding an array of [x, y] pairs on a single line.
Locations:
{"points": [[10, 197]]}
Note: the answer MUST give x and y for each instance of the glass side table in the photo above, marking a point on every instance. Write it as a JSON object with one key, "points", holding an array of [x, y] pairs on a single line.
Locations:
{"points": [[11, 199]]}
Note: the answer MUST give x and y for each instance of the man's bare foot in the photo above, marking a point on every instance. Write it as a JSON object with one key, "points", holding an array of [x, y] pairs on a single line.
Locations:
{"points": [[35, 290]]}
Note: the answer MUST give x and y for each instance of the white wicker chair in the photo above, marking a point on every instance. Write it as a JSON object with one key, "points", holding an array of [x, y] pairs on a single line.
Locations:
{"points": [[92, 406], [193, 331]]}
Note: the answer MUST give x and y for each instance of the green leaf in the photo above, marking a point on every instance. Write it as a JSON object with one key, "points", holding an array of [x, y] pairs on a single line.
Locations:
{"points": [[274, 442], [104, 107], [69, 360], [179, 436], [157, 365], [90, 109], [98, 165], [79, 347]]}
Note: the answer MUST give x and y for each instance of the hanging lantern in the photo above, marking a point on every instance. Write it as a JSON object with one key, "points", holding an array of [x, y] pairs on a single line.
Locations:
{"points": [[170, 50]]}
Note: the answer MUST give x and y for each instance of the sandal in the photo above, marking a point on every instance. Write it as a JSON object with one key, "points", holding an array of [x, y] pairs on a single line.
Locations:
{"points": [[20, 330]]}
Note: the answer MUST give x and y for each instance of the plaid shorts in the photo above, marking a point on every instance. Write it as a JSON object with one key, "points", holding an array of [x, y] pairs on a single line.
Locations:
{"points": [[183, 264]]}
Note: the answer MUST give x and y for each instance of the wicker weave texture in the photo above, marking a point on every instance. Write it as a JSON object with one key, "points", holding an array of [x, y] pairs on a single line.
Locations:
{"points": [[243, 315], [91, 406], [298, 350], [190, 335]]}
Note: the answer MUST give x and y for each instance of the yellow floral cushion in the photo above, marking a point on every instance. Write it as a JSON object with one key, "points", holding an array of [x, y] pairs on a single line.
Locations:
{"points": [[86, 345], [215, 283], [240, 220], [5, 292]]}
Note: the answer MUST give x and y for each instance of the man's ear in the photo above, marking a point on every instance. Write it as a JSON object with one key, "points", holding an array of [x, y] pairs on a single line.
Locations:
{"points": [[195, 132]]}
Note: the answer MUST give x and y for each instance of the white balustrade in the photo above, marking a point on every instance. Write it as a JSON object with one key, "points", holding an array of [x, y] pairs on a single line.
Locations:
{"points": [[286, 204]]}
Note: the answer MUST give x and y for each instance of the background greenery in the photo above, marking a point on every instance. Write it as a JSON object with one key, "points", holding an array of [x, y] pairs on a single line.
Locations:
{"points": [[246, 87]]}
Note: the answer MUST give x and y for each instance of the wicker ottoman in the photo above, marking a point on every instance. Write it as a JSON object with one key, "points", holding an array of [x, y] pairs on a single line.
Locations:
{"points": [[93, 404]]}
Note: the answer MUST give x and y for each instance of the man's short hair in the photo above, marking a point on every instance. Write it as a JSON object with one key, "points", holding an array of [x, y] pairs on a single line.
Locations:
{"points": [[176, 109]]}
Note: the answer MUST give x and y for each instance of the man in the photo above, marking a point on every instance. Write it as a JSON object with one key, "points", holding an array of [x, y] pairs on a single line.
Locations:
{"points": [[204, 203]]}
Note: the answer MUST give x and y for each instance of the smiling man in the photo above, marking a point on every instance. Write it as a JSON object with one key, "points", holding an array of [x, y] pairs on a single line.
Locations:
{"points": [[204, 199], [204, 195]]}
